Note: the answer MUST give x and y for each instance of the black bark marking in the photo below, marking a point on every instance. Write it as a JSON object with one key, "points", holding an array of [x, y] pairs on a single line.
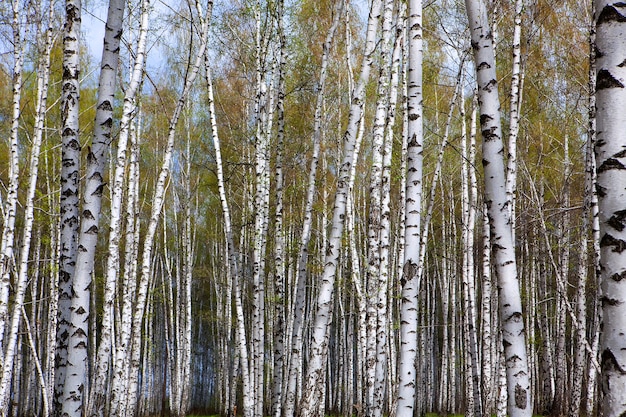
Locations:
{"points": [[521, 397], [107, 123], [610, 14], [618, 220], [489, 134], [483, 65], [600, 190], [93, 230], [98, 191], [485, 162], [618, 276], [622, 64], [608, 362], [516, 317], [609, 164], [506, 343], [618, 244], [497, 247], [620, 154], [414, 116], [484, 118], [87, 215], [105, 105], [606, 80], [490, 86], [409, 271], [606, 301]]}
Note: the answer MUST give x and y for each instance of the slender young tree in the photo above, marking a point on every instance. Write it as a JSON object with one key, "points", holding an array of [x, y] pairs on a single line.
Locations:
{"points": [[315, 374], [305, 234], [410, 273], [611, 164], [100, 376], [518, 378], [44, 40], [10, 209]]}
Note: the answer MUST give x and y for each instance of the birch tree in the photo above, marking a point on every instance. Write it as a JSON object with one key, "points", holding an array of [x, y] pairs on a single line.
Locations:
{"points": [[10, 209], [518, 382], [113, 264], [410, 274], [70, 166], [610, 99]]}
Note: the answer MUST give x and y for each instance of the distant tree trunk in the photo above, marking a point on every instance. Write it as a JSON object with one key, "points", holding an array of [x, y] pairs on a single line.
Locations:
{"points": [[232, 255], [314, 380], [70, 166], [45, 40], [76, 389], [610, 100], [10, 209], [410, 275], [468, 204], [519, 404], [302, 260], [157, 205]]}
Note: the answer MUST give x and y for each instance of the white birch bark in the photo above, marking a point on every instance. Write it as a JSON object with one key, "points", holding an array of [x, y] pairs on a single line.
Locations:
{"points": [[590, 170], [279, 239], [410, 274], [518, 382], [43, 74], [10, 209], [70, 165], [131, 247], [314, 380], [474, 405], [383, 317], [376, 288], [75, 389], [515, 106], [101, 379], [240, 333], [610, 101]]}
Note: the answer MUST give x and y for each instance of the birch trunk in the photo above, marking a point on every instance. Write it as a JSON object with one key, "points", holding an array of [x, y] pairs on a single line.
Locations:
{"points": [[410, 274], [240, 334], [70, 166], [10, 209], [609, 149], [101, 378], [518, 382], [314, 380], [279, 243], [515, 104], [377, 287], [75, 389]]}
